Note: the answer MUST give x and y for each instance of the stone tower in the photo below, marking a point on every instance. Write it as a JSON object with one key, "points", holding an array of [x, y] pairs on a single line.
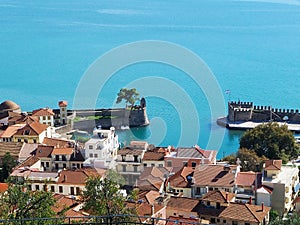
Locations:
{"points": [[63, 112]]}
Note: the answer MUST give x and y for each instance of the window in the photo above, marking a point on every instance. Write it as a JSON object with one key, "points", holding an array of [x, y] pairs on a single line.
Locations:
{"points": [[19, 139], [60, 189], [234, 223], [208, 203], [95, 155], [52, 188], [227, 189], [78, 191], [135, 168], [152, 165], [34, 141], [45, 188], [218, 205], [169, 163], [145, 164], [43, 164], [210, 189], [198, 190], [194, 164], [213, 220], [44, 117], [30, 187], [135, 158], [26, 140], [63, 157], [47, 164], [160, 165], [90, 146], [91, 155], [72, 190], [181, 190], [37, 187], [26, 132], [63, 115], [64, 165], [247, 223], [124, 168], [49, 117], [123, 158], [57, 158], [224, 221], [184, 163]]}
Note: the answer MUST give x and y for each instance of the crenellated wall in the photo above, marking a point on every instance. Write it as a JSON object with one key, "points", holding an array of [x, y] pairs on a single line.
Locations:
{"points": [[246, 111]]}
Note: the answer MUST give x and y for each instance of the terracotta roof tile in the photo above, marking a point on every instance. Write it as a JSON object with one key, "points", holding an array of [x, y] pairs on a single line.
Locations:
{"points": [[3, 187], [28, 162], [77, 177], [34, 128], [43, 151], [182, 221], [179, 179], [218, 196], [43, 112], [58, 143], [62, 151], [184, 204], [11, 130], [248, 179], [215, 175], [273, 164], [154, 156], [63, 103], [246, 212]]}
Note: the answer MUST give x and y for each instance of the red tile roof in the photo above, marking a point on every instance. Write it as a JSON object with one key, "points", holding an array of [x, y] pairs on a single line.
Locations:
{"points": [[62, 151], [28, 162], [3, 187], [179, 179], [43, 112], [11, 130], [215, 175], [245, 212], [63, 103], [273, 164], [218, 196], [58, 143], [153, 156], [34, 129], [248, 179], [172, 220], [43, 151], [184, 204], [77, 177]]}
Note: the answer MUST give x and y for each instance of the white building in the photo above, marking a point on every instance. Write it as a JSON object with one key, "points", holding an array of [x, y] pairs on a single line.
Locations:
{"points": [[101, 149], [280, 186], [45, 115]]}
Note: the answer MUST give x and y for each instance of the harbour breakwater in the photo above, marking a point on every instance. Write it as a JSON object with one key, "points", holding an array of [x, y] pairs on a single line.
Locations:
{"points": [[246, 115]]}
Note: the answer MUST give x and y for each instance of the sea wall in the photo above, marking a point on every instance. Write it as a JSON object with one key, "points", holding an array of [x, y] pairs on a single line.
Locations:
{"points": [[247, 111], [110, 117]]}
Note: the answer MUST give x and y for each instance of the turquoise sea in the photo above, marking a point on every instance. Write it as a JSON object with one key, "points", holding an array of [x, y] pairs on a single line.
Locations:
{"points": [[251, 47]]}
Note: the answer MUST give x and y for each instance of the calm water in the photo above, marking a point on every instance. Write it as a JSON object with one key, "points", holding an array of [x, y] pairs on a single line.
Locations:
{"points": [[252, 48]]}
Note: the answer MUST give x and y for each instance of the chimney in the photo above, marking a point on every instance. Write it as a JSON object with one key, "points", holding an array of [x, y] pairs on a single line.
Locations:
{"points": [[226, 197], [250, 201], [152, 209], [262, 206]]}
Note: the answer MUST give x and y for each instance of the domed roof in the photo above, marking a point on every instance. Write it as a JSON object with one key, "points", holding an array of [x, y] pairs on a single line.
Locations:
{"points": [[9, 106]]}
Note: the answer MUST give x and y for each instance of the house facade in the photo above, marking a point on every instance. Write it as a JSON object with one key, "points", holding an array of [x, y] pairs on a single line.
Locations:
{"points": [[45, 115]]}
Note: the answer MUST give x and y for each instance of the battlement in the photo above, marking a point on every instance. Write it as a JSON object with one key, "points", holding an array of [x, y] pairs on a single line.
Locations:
{"points": [[246, 111], [240, 104]]}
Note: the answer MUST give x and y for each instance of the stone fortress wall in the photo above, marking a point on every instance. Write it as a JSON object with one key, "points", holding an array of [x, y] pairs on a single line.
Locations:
{"points": [[247, 111]]}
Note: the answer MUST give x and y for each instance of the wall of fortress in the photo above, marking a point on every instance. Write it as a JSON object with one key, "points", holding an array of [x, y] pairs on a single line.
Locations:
{"points": [[246, 111]]}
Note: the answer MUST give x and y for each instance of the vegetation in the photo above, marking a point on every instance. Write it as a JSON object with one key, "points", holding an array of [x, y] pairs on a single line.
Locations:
{"points": [[102, 196], [291, 220], [19, 203], [272, 141], [8, 163], [128, 95]]}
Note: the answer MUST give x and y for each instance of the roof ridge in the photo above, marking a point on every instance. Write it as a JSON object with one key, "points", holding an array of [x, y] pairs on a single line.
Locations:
{"points": [[252, 213]]}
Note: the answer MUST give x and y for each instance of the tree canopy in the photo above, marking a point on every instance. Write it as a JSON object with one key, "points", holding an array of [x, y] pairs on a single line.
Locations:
{"points": [[128, 95], [271, 140], [19, 202], [8, 163], [102, 196]]}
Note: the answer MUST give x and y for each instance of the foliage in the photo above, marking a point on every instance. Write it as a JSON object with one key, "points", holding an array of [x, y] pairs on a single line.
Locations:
{"points": [[250, 161], [272, 141], [274, 215], [128, 95], [8, 163], [19, 202], [102, 196], [231, 159], [291, 220]]}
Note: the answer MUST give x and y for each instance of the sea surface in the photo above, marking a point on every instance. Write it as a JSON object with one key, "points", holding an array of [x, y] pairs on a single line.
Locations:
{"points": [[252, 48]]}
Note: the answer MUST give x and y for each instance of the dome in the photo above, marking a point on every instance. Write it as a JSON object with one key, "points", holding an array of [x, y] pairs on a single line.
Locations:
{"points": [[9, 106]]}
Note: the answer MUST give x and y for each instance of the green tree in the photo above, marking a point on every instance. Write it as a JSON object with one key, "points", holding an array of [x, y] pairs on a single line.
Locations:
{"points": [[291, 220], [272, 141], [250, 161], [102, 196], [128, 95], [19, 203], [8, 163]]}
